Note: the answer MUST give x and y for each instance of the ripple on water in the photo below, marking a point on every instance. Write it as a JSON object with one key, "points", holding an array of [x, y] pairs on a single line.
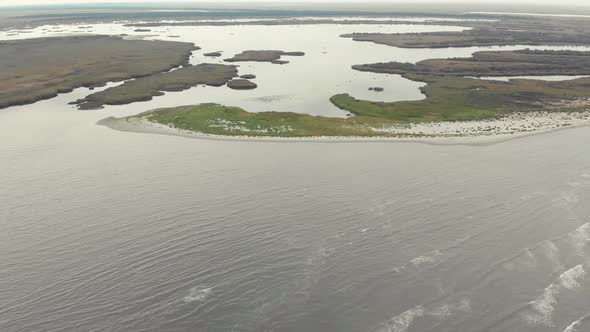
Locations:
{"points": [[580, 238], [198, 294], [402, 322], [429, 258]]}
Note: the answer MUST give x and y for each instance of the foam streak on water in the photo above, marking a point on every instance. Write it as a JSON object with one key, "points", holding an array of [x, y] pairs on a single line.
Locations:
{"points": [[573, 327], [403, 322], [542, 308]]}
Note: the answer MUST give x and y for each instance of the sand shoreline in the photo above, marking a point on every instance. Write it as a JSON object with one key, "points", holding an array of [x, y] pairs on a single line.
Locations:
{"points": [[464, 132]]}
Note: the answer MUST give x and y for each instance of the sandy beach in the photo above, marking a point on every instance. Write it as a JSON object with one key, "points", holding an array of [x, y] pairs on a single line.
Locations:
{"points": [[510, 126]]}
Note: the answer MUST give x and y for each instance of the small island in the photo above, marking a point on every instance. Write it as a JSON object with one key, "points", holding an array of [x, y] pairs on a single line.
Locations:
{"points": [[241, 84], [213, 54], [272, 56]]}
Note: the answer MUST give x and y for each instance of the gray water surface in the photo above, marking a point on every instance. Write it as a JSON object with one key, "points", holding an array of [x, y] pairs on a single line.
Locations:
{"points": [[106, 230]]}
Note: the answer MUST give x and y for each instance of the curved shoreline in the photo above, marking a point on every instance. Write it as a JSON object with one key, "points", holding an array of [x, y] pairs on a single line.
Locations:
{"points": [[138, 124]]}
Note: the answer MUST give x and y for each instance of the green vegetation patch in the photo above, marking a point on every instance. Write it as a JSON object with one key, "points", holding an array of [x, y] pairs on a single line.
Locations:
{"points": [[460, 99], [450, 96], [233, 121], [146, 88]]}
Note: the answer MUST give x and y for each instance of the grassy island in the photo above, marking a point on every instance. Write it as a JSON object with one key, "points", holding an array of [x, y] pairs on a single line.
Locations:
{"points": [[36, 69], [272, 56], [464, 99], [218, 119], [241, 84], [146, 88], [499, 63], [555, 32]]}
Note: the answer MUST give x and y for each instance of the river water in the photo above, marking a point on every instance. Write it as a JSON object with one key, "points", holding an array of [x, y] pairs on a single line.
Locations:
{"points": [[102, 230]]}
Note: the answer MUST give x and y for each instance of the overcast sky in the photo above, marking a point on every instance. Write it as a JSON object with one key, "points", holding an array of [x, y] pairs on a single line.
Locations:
{"points": [[48, 2]]}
